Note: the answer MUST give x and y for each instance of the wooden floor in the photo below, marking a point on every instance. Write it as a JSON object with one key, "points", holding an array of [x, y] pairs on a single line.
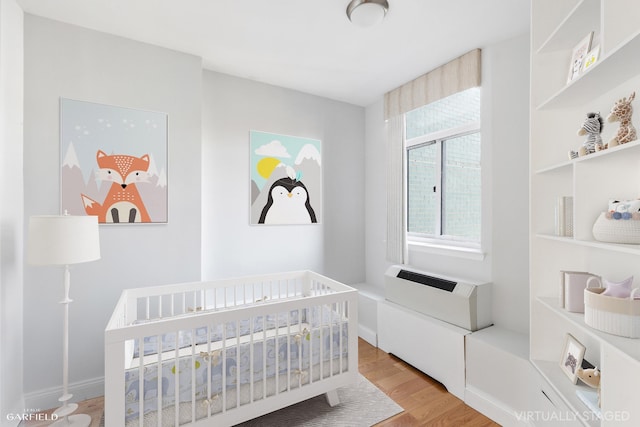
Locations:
{"points": [[425, 401]]}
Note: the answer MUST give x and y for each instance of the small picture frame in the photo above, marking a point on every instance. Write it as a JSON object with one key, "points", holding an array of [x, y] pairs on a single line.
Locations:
{"points": [[578, 56], [591, 58], [571, 359]]}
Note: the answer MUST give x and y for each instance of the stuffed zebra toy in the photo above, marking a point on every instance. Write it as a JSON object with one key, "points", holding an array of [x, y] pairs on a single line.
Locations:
{"points": [[592, 127]]}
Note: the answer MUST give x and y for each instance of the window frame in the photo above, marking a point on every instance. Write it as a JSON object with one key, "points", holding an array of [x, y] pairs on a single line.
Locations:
{"points": [[438, 137]]}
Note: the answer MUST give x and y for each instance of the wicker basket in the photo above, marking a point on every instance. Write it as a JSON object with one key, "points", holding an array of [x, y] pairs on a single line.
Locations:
{"points": [[617, 316], [616, 230]]}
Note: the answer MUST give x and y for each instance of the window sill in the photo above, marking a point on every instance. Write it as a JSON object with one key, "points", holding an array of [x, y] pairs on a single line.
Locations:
{"points": [[475, 254]]}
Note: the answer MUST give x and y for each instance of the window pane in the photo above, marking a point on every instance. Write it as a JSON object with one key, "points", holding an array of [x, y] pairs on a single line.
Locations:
{"points": [[461, 195], [453, 111], [422, 201]]}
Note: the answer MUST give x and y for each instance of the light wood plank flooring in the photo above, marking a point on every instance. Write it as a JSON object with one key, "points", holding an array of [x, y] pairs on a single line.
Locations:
{"points": [[425, 401]]}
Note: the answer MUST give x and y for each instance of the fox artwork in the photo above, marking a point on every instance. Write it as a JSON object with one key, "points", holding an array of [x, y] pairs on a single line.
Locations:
{"points": [[123, 202]]}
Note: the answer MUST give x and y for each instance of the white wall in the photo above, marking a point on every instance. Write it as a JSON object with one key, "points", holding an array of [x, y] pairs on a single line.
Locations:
{"points": [[11, 209], [506, 72], [67, 61], [505, 88], [231, 108]]}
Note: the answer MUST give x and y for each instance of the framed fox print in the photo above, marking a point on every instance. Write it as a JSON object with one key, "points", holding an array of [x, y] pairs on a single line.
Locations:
{"points": [[113, 162], [286, 179]]}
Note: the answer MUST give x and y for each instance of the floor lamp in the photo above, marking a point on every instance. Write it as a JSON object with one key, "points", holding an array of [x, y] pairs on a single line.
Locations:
{"points": [[64, 240]]}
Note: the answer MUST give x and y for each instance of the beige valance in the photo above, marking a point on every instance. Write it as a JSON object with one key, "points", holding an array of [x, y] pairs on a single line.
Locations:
{"points": [[454, 76]]}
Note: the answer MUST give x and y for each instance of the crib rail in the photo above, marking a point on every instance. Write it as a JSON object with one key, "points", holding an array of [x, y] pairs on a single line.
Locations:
{"points": [[308, 320], [168, 301]]}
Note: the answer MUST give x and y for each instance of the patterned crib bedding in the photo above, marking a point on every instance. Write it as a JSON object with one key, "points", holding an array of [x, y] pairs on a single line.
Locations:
{"points": [[313, 316], [291, 355]]}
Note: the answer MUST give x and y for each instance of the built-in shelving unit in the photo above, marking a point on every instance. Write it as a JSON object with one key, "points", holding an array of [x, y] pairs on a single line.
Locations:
{"points": [[558, 110]]}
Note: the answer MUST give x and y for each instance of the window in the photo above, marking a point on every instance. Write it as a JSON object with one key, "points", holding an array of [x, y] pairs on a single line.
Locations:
{"points": [[443, 169]]}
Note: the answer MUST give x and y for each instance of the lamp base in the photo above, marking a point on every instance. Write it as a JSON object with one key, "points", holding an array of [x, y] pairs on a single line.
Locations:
{"points": [[79, 420]]}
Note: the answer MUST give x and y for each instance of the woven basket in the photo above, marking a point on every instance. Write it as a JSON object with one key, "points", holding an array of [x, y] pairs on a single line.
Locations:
{"points": [[616, 230], [617, 316]]}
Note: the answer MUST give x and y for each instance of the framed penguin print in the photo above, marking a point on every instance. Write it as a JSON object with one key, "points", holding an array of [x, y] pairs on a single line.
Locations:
{"points": [[286, 179]]}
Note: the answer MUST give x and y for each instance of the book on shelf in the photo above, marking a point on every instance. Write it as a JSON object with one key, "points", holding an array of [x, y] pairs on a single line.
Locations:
{"points": [[564, 216], [572, 286]]}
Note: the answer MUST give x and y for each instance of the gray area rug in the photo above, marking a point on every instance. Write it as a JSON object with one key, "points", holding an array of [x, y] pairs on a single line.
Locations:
{"points": [[361, 405]]}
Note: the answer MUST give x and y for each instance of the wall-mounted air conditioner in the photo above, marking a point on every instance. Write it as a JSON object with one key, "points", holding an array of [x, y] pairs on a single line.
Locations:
{"points": [[461, 303]]}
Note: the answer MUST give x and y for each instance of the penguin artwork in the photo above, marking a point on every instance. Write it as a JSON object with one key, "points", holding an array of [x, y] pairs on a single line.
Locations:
{"points": [[287, 203]]}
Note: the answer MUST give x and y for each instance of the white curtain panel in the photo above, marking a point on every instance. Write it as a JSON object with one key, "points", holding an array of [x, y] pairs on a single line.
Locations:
{"points": [[396, 227]]}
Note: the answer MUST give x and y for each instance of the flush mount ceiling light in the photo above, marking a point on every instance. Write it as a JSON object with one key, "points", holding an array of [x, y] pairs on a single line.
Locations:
{"points": [[366, 13]]}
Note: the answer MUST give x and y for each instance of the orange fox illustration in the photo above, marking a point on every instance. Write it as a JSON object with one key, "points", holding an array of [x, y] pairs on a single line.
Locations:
{"points": [[123, 202]]}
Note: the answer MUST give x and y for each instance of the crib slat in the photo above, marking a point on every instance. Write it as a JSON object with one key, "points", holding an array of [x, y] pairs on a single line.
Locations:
{"points": [[176, 388], [276, 344], [159, 387], [288, 353], [193, 375], [340, 312], [209, 371], [237, 363], [141, 382], [330, 348], [224, 367], [321, 329], [264, 356], [311, 347], [251, 359]]}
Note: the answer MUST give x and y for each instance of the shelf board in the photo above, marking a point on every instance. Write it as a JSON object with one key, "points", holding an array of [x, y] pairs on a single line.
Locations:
{"points": [[563, 386], [591, 157], [556, 167], [572, 28], [628, 346], [619, 66], [616, 247]]}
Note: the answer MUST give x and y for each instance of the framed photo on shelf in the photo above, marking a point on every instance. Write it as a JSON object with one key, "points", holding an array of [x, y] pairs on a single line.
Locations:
{"points": [[571, 359], [578, 56], [591, 58]]}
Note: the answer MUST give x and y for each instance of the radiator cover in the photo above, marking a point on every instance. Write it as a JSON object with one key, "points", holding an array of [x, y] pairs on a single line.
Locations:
{"points": [[464, 304]]}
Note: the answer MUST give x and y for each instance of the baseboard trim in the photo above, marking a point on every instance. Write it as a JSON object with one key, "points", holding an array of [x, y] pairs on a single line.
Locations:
{"points": [[368, 334], [48, 398], [492, 408]]}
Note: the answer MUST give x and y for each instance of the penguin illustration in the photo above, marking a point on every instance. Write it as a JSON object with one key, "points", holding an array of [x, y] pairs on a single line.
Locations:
{"points": [[288, 203]]}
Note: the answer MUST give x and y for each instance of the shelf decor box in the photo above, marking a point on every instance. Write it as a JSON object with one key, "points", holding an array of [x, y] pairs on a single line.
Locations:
{"points": [[572, 286], [617, 316]]}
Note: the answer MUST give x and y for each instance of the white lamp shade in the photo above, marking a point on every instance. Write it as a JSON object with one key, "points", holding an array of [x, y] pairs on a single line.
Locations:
{"points": [[61, 240]]}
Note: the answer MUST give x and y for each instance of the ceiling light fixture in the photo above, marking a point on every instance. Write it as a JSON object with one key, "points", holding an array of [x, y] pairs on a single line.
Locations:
{"points": [[366, 13]]}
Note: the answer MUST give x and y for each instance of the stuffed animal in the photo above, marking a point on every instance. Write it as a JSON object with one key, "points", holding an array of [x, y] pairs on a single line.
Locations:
{"points": [[592, 127], [621, 112], [590, 377]]}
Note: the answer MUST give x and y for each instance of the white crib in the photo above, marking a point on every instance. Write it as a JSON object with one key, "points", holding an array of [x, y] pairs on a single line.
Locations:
{"points": [[228, 350]]}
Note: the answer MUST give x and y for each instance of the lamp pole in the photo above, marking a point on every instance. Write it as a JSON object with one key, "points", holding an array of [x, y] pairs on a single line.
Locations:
{"points": [[64, 412]]}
